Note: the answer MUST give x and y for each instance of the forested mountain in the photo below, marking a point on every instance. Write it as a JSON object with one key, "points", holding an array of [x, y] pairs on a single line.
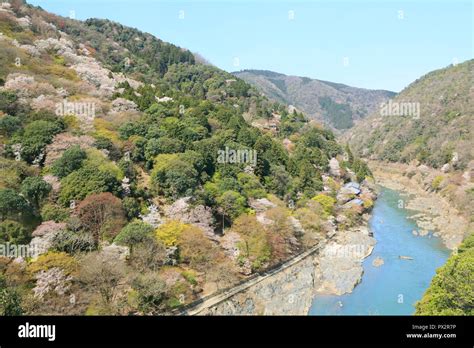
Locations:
{"points": [[140, 179], [335, 104], [438, 128]]}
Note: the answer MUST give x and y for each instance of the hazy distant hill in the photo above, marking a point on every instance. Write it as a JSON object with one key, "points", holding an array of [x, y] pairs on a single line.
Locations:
{"points": [[336, 104]]}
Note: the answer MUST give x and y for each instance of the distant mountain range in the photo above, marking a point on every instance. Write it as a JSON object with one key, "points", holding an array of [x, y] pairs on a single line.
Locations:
{"points": [[334, 104]]}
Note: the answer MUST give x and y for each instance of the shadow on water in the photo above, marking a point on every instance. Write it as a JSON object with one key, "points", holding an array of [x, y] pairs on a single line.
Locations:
{"points": [[394, 287]]}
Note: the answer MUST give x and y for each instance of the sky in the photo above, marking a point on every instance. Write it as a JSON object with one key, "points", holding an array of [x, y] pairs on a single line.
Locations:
{"points": [[368, 44]]}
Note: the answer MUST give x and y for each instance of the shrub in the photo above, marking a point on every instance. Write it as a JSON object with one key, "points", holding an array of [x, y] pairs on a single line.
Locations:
{"points": [[10, 300], [170, 231], [73, 242], [54, 212], [53, 259], [326, 202], [436, 183], [151, 292], [190, 276], [368, 203]]}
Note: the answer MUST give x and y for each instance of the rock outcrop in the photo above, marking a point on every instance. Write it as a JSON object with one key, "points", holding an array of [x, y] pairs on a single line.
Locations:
{"points": [[340, 263], [290, 292]]}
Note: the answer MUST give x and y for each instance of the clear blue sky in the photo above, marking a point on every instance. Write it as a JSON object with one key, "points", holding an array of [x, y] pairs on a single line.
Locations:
{"points": [[381, 49]]}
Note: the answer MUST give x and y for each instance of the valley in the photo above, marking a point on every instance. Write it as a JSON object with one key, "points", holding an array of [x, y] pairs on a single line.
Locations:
{"points": [[137, 179], [334, 104]]}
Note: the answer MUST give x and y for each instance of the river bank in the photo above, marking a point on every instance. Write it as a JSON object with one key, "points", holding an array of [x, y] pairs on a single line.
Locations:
{"points": [[434, 213], [396, 273], [335, 268]]}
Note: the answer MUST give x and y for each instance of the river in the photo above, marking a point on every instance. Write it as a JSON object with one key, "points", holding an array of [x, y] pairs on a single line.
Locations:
{"points": [[394, 287]]}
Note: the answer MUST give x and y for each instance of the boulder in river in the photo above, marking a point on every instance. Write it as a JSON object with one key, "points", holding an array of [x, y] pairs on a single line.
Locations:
{"points": [[402, 257], [378, 261]]}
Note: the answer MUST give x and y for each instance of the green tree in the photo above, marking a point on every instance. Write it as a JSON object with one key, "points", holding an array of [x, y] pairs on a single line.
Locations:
{"points": [[9, 125], [174, 177], [70, 161], [310, 179], [232, 204], [361, 169], [11, 204], [452, 289], [135, 232], [35, 189], [250, 185], [255, 245], [8, 102], [162, 145], [13, 232], [278, 181], [10, 300], [36, 136], [12, 173], [85, 181], [131, 207]]}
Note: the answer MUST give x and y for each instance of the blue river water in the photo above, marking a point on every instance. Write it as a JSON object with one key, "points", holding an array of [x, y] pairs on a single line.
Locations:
{"points": [[394, 287]]}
